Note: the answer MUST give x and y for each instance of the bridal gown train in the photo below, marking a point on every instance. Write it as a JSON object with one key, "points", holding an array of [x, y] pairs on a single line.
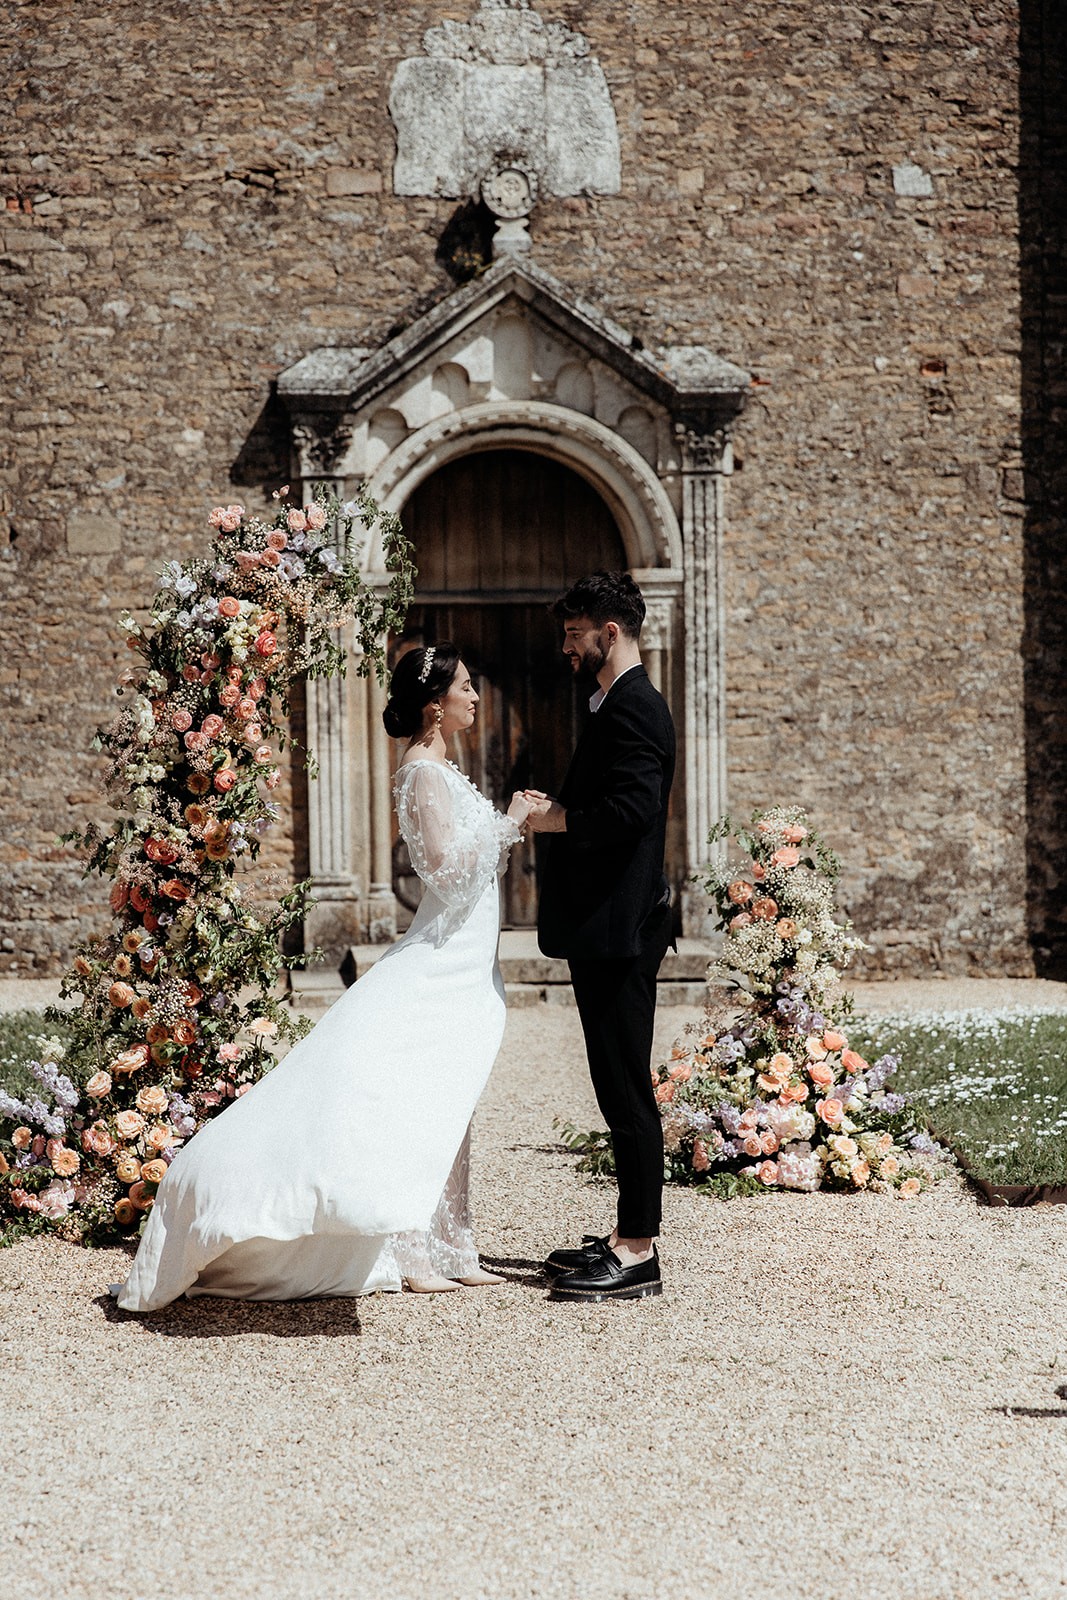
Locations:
{"points": [[345, 1168]]}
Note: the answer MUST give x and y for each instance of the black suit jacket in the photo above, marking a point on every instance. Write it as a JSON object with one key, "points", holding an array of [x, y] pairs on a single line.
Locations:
{"points": [[603, 879]]}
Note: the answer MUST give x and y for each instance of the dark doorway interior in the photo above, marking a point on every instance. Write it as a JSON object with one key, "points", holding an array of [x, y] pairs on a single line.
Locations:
{"points": [[497, 536]]}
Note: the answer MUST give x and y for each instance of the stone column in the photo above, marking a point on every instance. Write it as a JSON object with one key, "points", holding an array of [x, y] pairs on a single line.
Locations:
{"points": [[706, 458], [337, 919], [381, 906]]}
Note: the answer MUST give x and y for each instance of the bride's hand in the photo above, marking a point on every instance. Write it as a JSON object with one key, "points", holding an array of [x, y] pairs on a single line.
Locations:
{"points": [[520, 808]]}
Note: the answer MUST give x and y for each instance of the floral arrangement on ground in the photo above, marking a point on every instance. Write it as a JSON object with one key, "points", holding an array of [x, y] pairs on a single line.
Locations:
{"points": [[177, 1007], [765, 1091]]}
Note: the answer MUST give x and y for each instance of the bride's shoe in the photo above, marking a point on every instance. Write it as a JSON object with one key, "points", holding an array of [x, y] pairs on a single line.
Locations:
{"points": [[432, 1285], [480, 1278]]}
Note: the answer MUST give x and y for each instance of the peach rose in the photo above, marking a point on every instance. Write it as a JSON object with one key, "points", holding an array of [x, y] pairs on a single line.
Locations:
{"points": [[180, 720], [910, 1187], [742, 920], [191, 674], [795, 1091], [193, 994], [296, 521], [152, 1100], [97, 1139], [277, 539], [140, 898], [157, 1033], [121, 995], [787, 928], [263, 755], [253, 733], [65, 1162], [127, 1168], [225, 780], [229, 606], [98, 1086], [230, 695], [211, 726], [751, 1145], [768, 1142], [758, 872], [701, 1160], [161, 1136], [831, 1111], [21, 1138], [211, 660], [271, 558], [821, 1074], [852, 1061], [787, 857], [765, 908], [266, 645], [125, 1212], [273, 779], [140, 1197], [833, 1040], [175, 889], [129, 1124], [665, 1093], [218, 847], [794, 833], [228, 1052], [246, 707], [195, 741], [257, 688], [767, 1172], [888, 1167], [153, 1171], [316, 517], [679, 1074], [860, 1173], [739, 893], [164, 851]]}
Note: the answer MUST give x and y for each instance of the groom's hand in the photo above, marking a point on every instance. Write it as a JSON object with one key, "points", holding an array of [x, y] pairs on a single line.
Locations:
{"points": [[546, 814]]}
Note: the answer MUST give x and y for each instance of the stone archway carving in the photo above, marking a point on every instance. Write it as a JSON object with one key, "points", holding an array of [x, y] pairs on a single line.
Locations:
{"points": [[512, 361]]}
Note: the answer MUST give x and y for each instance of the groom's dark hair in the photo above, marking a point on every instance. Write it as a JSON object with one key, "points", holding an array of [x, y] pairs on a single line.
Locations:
{"points": [[604, 597]]}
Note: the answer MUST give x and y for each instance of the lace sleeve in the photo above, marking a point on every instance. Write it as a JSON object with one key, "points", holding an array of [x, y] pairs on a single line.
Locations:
{"points": [[454, 837]]}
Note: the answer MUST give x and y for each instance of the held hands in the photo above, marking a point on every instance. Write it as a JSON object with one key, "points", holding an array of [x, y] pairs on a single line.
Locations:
{"points": [[520, 808], [545, 814]]}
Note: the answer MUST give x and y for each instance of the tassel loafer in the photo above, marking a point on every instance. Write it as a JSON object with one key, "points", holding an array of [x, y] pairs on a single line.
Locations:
{"points": [[588, 1251], [605, 1278]]}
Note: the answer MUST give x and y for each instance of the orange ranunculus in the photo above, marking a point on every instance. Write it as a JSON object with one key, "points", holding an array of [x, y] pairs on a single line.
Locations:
{"points": [[121, 995], [821, 1074], [157, 1033], [229, 606], [266, 645], [751, 1145], [98, 1140], [183, 1032], [225, 780], [125, 1213], [767, 1172], [796, 1091], [765, 908], [832, 1040], [701, 1160], [794, 833], [140, 1197], [739, 893], [218, 848], [163, 851], [193, 994], [175, 889], [140, 898], [665, 1093], [153, 1171], [787, 857], [681, 1073], [118, 897], [161, 1136], [742, 920], [127, 1168], [787, 928]]}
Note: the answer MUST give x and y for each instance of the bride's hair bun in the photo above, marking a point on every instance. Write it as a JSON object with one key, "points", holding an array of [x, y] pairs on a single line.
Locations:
{"points": [[418, 677]]}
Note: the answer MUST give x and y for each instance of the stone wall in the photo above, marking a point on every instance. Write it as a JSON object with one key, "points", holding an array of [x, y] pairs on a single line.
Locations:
{"points": [[822, 192]]}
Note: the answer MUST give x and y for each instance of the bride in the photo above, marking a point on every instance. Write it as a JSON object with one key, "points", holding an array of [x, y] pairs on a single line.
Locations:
{"points": [[345, 1169]]}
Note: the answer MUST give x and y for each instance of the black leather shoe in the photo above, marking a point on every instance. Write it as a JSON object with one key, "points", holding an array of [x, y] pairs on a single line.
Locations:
{"points": [[607, 1279], [571, 1260]]}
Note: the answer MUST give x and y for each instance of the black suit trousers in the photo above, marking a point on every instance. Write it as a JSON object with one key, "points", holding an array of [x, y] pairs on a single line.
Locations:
{"points": [[617, 1006]]}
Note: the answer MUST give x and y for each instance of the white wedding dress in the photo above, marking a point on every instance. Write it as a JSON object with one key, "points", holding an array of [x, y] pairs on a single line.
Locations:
{"points": [[345, 1169]]}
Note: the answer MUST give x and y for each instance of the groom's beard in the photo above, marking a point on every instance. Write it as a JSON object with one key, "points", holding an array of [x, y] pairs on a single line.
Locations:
{"points": [[590, 660]]}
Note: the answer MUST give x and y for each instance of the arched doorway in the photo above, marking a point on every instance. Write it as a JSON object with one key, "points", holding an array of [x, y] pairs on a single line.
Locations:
{"points": [[498, 534]]}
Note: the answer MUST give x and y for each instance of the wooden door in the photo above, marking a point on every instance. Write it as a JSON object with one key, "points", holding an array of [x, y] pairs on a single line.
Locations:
{"points": [[498, 536]]}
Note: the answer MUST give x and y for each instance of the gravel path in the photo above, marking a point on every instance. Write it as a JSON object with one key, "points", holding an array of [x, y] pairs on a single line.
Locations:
{"points": [[815, 1409]]}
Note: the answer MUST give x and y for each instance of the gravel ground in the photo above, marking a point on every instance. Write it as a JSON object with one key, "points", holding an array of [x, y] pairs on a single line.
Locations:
{"points": [[836, 1398]]}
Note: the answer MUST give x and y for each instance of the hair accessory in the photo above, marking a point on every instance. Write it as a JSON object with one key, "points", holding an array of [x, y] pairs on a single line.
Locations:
{"points": [[427, 663]]}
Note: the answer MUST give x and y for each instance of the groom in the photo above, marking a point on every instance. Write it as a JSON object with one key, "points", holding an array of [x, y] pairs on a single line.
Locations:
{"points": [[605, 906]]}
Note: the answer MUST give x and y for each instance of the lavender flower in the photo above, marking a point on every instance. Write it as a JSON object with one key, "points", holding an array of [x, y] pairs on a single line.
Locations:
{"points": [[729, 1116], [882, 1071], [890, 1103], [925, 1146]]}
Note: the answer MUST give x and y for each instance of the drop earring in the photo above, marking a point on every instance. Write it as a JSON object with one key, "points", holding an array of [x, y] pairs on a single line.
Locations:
{"points": [[438, 716]]}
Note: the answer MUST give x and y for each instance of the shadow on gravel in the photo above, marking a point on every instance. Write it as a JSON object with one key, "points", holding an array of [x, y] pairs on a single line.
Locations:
{"points": [[209, 1318], [530, 1274]]}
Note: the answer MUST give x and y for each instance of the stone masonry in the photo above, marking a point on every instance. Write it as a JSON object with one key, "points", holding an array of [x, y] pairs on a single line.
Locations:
{"points": [[824, 193]]}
